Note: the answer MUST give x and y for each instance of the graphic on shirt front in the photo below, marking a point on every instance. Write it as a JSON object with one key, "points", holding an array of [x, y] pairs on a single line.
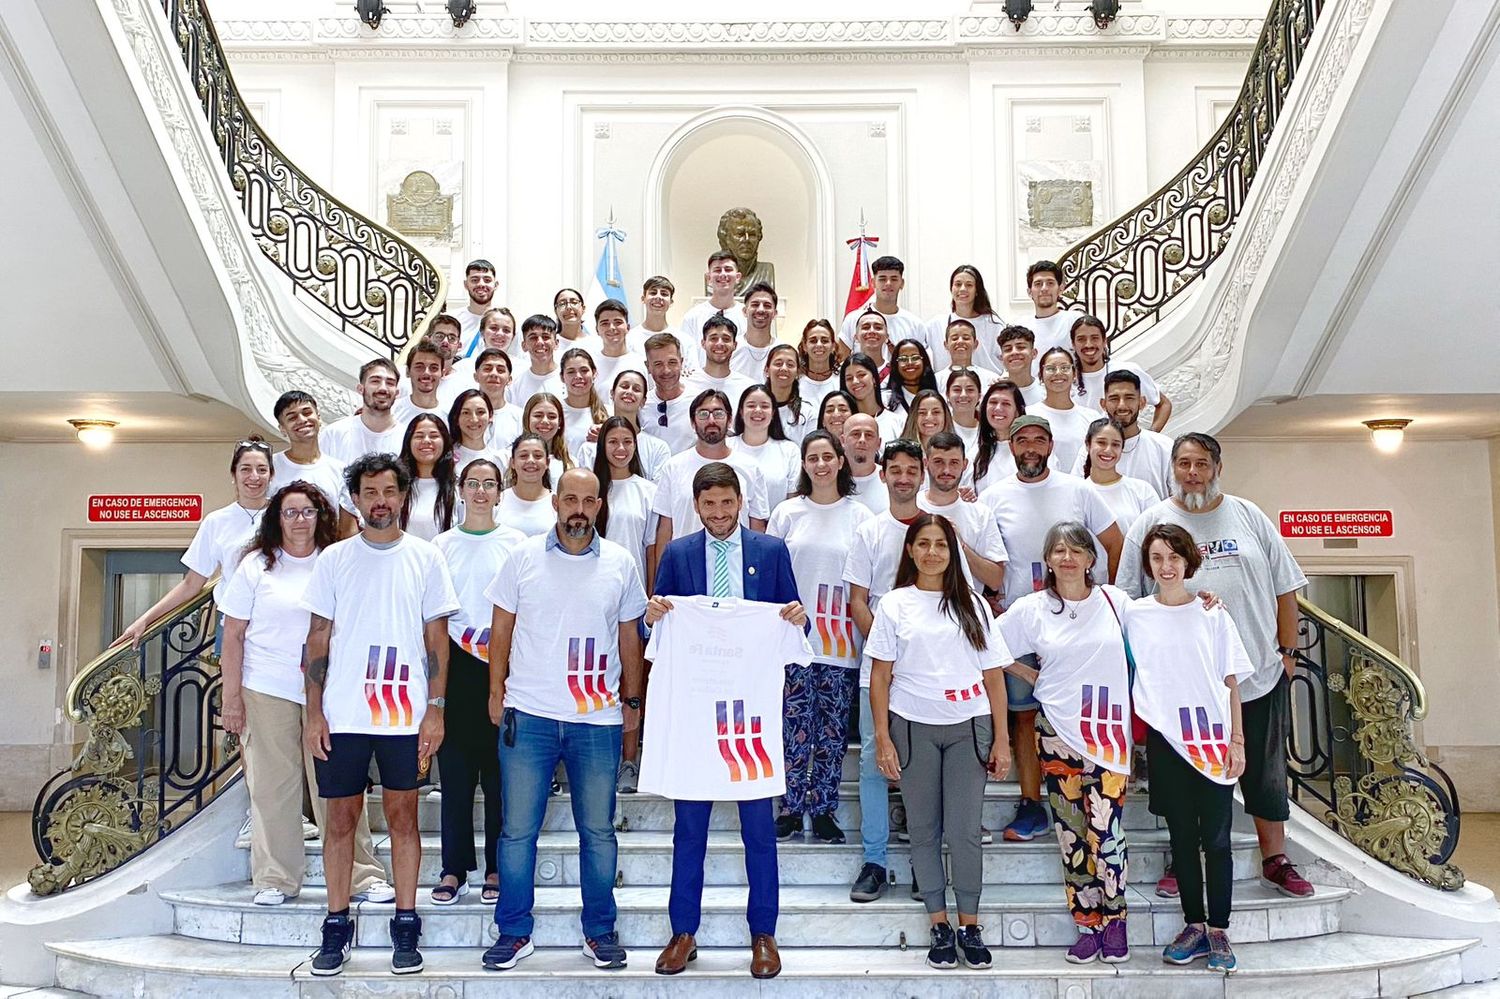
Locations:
{"points": [[1038, 577], [740, 754], [586, 677], [1103, 726], [476, 642], [1206, 749], [966, 694], [387, 689], [835, 621], [1223, 548]]}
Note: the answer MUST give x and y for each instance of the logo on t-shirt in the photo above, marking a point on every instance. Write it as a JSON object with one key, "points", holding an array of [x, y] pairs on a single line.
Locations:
{"points": [[1206, 749], [386, 689], [740, 754], [1221, 549], [834, 621], [966, 694], [476, 642], [586, 677], [1103, 726], [1038, 577]]}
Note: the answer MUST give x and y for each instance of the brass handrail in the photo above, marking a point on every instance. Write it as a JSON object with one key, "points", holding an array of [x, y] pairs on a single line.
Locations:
{"points": [[1392, 661]]}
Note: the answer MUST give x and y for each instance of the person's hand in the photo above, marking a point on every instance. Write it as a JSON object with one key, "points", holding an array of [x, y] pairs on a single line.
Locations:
{"points": [[1236, 760], [1289, 663], [795, 613], [131, 636], [886, 760], [656, 609], [999, 764], [233, 715], [994, 600], [593, 434], [632, 718], [430, 735], [1210, 599], [967, 494], [315, 735], [497, 706]]}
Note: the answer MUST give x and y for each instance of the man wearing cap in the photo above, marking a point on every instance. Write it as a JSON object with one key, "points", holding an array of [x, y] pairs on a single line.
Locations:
{"points": [[1025, 508]]}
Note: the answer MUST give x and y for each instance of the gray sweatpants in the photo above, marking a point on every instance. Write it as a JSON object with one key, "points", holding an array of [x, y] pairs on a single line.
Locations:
{"points": [[942, 786]]}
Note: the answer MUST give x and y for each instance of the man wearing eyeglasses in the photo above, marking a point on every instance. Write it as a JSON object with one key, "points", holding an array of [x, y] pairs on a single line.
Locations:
{"points": [[665, 412]]}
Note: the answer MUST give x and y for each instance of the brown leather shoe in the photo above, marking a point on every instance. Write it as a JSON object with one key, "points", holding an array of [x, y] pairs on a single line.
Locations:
{"points": [[683, 948], [765, 959]]}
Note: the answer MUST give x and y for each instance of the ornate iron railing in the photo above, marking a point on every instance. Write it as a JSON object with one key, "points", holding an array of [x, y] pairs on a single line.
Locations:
{"points": [[154, 754], [362, 278], [1352, 754], [1127, 272]]}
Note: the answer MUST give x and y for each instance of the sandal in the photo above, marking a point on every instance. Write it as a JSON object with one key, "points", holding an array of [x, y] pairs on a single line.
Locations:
{"points": [[490, 893], [446, 894]]}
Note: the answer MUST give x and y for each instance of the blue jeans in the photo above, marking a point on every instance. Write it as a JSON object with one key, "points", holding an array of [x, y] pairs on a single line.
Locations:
{"points": [[529, 750], [874, 791]]}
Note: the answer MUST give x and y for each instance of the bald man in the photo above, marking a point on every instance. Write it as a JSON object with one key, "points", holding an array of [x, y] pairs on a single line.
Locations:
{"points": [[861, 440], [565, 683]]}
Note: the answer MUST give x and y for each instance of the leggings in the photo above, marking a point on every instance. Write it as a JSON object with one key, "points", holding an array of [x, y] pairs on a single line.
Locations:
{"points": [[815, 734], [942, 784], [1198, 813], [1088, 809]]}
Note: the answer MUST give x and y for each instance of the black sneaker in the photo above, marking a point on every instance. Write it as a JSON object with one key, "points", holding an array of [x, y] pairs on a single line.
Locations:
{"points": [[605, 950], [406, 930], [338, 936], [971, 947], [506, 952], [826, 830], [944, 951], [788, 826], [870, 885], [916, 892]]}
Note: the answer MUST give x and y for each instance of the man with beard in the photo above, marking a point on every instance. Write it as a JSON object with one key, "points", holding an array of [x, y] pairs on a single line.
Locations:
{"points": [[718, 349], [675, 503], [1091, 346], [984, 552], [297, 415], [377, 670], [1025, 508], [559, 594], [372, 430], [749, 357], [664, 414], [861, 440], [1050, 323], [424, 370], [480, 283], [1146, 455], [1251, 569]]}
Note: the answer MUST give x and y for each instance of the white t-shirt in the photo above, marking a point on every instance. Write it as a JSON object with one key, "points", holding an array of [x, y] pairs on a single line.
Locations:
{"points": [[220, 543], [690, 332], [1183, 656], [937, 677], [1055, 330], [903, 325], [780, 464], [524, 385], [632, 522], [813, 391], [1034, 395], [473, 560], [674, 491], [1083, 684], [653, 451], [870, 492], [635, 340], [404, 411], [1069, 428], [1002, 466], [974, 524], [327, 473], [423, 521], [986, 331], [565, 651], [349, 438], [276, 632], [462, 456], [805, 423], [750, 360], [577, 421], [529, 517], [818, 537], [609, 368], [1146, 457], [733, 385], [505, 427], [678, 433], [1127, 499], [379, 600], [1093, 384], [1025, 511]]}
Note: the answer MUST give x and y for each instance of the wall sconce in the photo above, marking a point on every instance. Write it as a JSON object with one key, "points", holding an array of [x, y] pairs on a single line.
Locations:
{"points": [[370, 12], [1018, 11], [1104, 12], [94, 434], [1387, 435], [461, 11]]}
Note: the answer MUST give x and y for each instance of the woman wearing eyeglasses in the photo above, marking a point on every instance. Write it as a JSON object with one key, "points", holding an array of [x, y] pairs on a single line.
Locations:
{"points": [[221, 538], [468, 758], [1069, 421]]}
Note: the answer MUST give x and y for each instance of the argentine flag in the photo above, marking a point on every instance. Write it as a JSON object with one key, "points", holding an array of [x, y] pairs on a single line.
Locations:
{"points": [[608, 282]]}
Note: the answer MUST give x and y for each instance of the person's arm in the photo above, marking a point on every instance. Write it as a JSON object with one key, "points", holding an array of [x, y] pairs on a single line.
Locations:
{"points": [[651, 559], [987, 571], [188, 586], [758, 524], [315, 729], [1236, 762], [1163, 413], [1113, 541], [663, 538], [430, 733], [886, 759], [859, 608], [1286, 627], [348, 526], [994, 689], [631, 671], [231, 662], [502, 629]]}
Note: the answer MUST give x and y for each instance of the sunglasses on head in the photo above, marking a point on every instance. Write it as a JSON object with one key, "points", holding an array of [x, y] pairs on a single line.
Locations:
{"points": [[258, 445]]}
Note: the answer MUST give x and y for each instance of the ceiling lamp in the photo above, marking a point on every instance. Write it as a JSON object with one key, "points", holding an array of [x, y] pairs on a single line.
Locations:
{"points": [[1018, 11], [461, 11], [95, 434], [1387, 435], [370, 12], [1104, 12]]}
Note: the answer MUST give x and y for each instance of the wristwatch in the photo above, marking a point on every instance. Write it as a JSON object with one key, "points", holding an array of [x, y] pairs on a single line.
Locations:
{"points": [[438, 702], [1286, 651], [634, 703]]}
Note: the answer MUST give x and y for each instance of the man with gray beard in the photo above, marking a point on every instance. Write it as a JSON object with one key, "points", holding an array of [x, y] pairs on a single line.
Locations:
{"points": [[1249, 567]]}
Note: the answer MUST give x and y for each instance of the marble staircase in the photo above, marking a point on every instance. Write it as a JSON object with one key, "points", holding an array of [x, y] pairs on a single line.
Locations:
{"points": [[223, 944]]}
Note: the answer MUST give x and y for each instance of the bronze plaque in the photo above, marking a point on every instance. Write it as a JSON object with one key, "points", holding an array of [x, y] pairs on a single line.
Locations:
{"points": [[420, 208], [1060, 204]]}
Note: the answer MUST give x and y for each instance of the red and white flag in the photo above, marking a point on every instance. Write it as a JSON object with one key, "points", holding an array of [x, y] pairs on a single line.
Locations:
{"points": [[862, 283]]}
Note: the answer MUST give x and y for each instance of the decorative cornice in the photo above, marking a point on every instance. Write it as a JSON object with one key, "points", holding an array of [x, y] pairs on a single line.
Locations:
{"points": [[671, 34], [1238, 29]]}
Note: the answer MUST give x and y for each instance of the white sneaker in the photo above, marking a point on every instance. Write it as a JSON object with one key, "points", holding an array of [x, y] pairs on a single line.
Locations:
{"points": [[310, 830], [378, 891], [271, 896]]}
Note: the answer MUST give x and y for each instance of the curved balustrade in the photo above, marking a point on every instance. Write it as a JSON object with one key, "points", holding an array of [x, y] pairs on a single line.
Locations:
{"points": [[154, 753], [1352, 754], [361, 277], [1129, 271]]}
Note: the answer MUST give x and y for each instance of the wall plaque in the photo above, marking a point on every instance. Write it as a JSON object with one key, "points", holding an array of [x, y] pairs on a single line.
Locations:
{"points": [[420, 208], [1060, 204]]}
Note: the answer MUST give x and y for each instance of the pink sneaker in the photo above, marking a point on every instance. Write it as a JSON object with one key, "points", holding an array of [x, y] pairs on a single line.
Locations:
{"points": [[1277, 872]]}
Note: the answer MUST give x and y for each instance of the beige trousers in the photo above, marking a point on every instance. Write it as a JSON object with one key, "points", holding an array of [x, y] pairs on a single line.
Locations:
{"points": [[276, 767]]}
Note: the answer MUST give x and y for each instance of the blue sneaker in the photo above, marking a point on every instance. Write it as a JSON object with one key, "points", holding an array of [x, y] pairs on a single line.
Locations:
{"points": [[605, 950], [507, 952], [1030, 822], [1190, 945], [1220, 954]]}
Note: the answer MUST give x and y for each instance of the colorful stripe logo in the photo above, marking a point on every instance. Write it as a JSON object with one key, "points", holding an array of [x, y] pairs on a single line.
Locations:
{"points": [[1103, 733], [834, 620], [1038, 577], [1208, 751], [387, 689], [741, 756], [966, 694], [586, 677], [476, 642]]}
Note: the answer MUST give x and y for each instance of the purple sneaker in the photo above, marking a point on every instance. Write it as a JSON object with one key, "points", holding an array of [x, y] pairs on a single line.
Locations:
{"points": [[1114, 948], [1085, 948]]}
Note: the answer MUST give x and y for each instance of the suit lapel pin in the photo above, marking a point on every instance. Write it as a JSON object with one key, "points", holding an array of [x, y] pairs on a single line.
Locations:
{"points": [[751, 570]]}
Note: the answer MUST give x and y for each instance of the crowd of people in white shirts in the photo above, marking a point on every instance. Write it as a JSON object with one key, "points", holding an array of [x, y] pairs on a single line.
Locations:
{"points": [[1003, 572]]}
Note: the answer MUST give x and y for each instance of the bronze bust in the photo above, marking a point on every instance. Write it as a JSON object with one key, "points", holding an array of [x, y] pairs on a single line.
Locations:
{"points": [[740, 233]]}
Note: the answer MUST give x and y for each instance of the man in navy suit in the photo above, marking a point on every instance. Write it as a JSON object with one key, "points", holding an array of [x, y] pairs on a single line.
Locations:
{"points": [[724, 560]]}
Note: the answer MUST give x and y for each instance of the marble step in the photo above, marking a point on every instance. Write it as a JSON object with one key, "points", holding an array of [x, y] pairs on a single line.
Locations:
{"points": [[645, 858], [1339, 966], [810, 916], [649, 811]]}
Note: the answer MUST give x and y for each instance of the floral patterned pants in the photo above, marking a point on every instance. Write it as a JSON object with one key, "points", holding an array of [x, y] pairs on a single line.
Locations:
{"points": [[1088, 809], [815, 732]]}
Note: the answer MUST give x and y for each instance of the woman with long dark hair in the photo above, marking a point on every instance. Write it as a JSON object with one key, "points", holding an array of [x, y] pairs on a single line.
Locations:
{"points": [[526, 502], [582, 408], [759, 436], [543, 416], [859, 377], [835, 407], [1001, 406], [937, 698], [797, 413], [432, 506], [911, 373], [626, 395], [970, 300], [818, 525], [469, 422], [1127, 498], [263, 696]]}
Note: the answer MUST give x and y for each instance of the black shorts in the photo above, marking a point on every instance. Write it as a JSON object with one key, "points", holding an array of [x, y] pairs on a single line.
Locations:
{"points": [[1267, 721], [346, 772]]}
